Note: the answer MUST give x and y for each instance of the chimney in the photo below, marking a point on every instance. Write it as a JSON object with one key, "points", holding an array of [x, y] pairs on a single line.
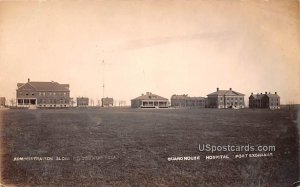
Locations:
{"points": [[28, 79], [217, 89], [230, 89]]}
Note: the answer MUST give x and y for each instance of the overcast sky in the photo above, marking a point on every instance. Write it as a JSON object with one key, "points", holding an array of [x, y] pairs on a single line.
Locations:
{"points": [[165, 47]]}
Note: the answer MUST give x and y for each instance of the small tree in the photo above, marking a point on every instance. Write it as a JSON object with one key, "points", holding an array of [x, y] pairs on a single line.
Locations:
{"points": [[12, 102]]}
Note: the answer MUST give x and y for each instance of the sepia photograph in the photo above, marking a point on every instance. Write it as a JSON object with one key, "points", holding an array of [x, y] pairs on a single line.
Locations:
{"points": [[150, 93]]}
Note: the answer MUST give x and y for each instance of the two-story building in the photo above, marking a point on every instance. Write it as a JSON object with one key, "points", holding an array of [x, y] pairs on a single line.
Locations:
{"points": [[180, 101], [225, 99], [82, 101], [42, 94], [107, 102]]}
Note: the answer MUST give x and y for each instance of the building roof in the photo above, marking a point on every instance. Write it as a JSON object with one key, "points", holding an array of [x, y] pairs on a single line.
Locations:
{"points": [[82, 98], [229, 92], [150, 96], [185, 96], [107, 99], [261, 95], [257, 96], [272, 95], [46, 86]]}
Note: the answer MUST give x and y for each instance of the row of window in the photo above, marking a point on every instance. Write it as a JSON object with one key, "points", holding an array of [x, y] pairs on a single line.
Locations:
{"points": [[260, 100], [44, 93], [53, 101], [231, 98], [53, 105], [227, 103], [42, 101]]}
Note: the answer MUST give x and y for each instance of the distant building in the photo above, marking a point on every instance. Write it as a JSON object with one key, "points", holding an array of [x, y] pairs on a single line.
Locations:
{"points": [[184, 100], [2, 101], [107, 102], [43, 94], [225, 99], [149, 100], [267, 100], [82, 102]]}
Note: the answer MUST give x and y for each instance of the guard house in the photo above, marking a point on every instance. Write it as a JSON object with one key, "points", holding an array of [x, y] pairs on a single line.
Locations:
{"points": [[267, 100], [82, 102], [2, 101], [107, 102], [149, 100], [179, 101], [225, 99], [43, 94]]}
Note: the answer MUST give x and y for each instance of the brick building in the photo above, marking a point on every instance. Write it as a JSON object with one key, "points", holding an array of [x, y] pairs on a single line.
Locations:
{"points": [[225, 99], [82, 101], [266, 100], [42, 94], [107, 102], [184, 100]]}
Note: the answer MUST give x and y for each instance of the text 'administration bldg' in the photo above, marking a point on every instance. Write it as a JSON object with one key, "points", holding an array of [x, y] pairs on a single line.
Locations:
{"points": [[43, 94], [149, 100], [225, 99]]}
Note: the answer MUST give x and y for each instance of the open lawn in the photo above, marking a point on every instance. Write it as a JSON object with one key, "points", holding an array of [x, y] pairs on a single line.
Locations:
{"points": [[131, 147]]}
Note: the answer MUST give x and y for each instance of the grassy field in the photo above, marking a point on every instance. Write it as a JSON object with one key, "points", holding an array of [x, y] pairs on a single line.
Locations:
{"points": [[130, 147]]}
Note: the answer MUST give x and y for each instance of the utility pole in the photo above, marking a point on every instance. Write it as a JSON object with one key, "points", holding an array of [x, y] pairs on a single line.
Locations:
{"points": [[103, 64]]}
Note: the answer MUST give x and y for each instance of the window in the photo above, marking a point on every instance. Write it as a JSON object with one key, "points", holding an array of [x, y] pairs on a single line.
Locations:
{"points": [[32, 93], [26, 94], [20, 101]]}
